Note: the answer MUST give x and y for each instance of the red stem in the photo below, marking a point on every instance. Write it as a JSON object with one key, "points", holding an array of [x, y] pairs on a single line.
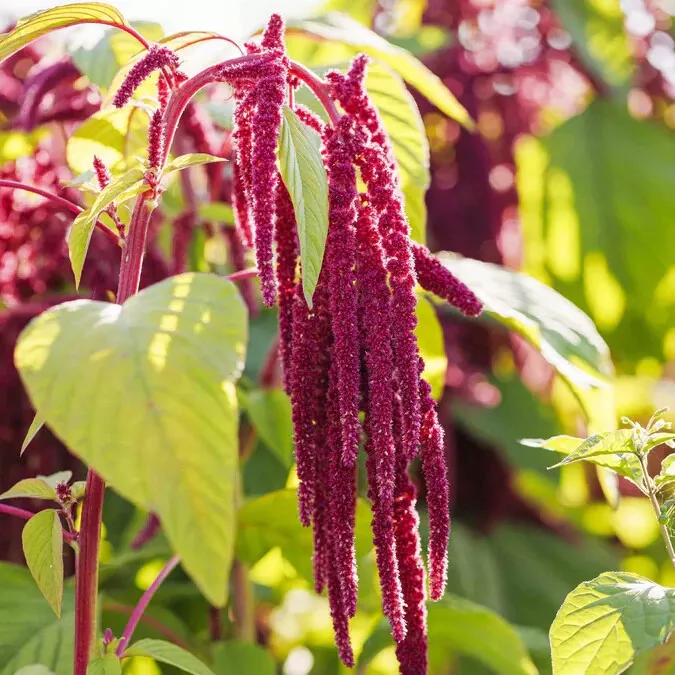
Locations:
{"points": [[318, 88], [143, 603], [27, 515], [61, 201]]}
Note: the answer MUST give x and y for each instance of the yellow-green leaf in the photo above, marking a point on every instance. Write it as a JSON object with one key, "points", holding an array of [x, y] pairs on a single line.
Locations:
{"points": [[270, 413], [83, 225], [42, 540], [145, 394], [191, 159], [41, 23], [342, 28], [173, 655], [432, 346], [304, 175], [32, 432], [34, 488], [106, 665]]}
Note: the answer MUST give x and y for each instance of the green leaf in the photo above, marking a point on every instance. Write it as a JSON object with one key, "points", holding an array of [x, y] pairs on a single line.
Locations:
{"points": [[270, 413], [106, 665], [175, 350], [657, 661], [599, 445], [191, 159], [34, 670], [168, 653], [35, 488], [100, 62], [32, 432], [117, 137], [564, 335], [41, 23], [83, 225], [217, 212], [598, 32], [242, 658], [342, 28], [59, 477], [304, 175], [605, 622], [42, 540], [29, 631], [463, 627], [272, 520], [667, 473], [431, 342]]}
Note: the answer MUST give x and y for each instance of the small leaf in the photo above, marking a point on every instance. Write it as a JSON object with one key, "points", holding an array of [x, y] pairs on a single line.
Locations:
{"points": [[106, 665], [32, 432], [242, 658], [270, 413], [342, 28], [41, 23], [175, 350], [43, 548], [564, 444], [77, 489], [192, 159], [600, 445], [35, 488], [304, 175], [168, 653], [83, 225], [605, 622], [55, 478]]}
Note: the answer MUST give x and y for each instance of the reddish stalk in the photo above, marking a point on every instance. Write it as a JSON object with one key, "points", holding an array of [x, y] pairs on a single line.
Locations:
{"points": [[61, 201], [143, 603], [27, 515]]}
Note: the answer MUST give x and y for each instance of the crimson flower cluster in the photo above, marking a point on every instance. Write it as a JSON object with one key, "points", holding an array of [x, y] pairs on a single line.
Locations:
{"points": [[351, 363]]}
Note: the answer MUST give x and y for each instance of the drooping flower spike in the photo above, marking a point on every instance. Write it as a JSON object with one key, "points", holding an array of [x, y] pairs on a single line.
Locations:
{"points": [[351, 364]]}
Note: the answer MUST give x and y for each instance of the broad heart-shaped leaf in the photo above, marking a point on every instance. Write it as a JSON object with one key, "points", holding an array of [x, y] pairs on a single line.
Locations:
{"points": [[29, 631], [83, 225], [242, 658], [605, 622], [166, 652], [35, 488], [40, 23], [564, 335], [342, 28], [598, 32], [463, 627], [144, 393], [100, 62], [272, 520], [32, 432], [42, 539], [191, 159], [270, 413], [304, 175], [105, 665]]}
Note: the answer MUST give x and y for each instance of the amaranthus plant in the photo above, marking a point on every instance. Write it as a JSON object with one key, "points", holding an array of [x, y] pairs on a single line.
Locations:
{"points": [[320, 202]]}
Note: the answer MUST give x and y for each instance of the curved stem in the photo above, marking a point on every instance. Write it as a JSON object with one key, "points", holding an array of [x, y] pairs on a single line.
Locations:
{"points": [[61, 201], [27, 515], [318, 88], [143, 603]]}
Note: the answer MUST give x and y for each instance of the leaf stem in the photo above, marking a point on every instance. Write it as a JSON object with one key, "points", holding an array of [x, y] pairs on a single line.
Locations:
{"points": [[651, 492], [61, 201], [27, 515], [86, 582], [143, 603]]}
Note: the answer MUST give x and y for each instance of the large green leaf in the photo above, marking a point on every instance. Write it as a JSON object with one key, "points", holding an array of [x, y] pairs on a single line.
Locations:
{"points": [[29, 631], [584, 222], [166, 652], [342, 28], [598, 33], [101, 61], [242, 658], [272, 520], [459, 626], [40, 23], [144, 393], [105, 665], [270, 413], [83, 225], [42, 540], [117, 137], [564, 335], [304, 175], [605, 622]]}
